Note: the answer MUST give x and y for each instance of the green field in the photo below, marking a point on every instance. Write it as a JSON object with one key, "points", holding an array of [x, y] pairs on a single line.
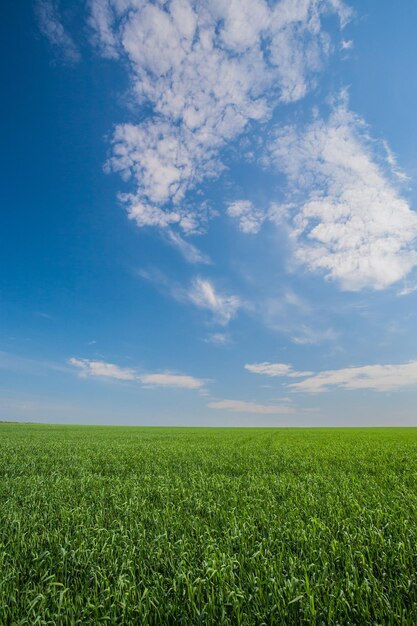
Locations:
{"points": [[109, 525]]}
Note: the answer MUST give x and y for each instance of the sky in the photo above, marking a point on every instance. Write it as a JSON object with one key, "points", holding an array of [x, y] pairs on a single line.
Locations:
{"points": [[208, 212]]}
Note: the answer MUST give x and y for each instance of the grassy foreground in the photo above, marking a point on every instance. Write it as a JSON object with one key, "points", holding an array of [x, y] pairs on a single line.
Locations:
{"points": [[207, 526]]}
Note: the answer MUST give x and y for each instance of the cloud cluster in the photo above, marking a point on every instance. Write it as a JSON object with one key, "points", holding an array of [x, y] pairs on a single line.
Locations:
{"points": [[374, 377], [206, 70], [348, 218], [249, 217], [51, 27], [101, 369], [203, 73]]}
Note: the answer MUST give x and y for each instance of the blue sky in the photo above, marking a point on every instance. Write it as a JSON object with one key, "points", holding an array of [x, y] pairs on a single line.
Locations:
{"points": [[208, 212]]}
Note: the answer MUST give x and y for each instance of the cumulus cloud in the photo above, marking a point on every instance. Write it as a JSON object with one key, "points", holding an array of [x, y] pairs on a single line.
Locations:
{"points": [[241, 406], [348, 218], [375, 377], [250, 218], [101, 369], [51, 27], [207, 70]]}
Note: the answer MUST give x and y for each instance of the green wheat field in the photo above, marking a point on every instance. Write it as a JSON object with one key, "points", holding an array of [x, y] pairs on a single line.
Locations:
{"points": [[127, 525]]}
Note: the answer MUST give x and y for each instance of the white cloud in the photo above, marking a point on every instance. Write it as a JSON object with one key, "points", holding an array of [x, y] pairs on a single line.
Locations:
{"points": [[201, 292], [204, 296], [190, 252], [102, 369], [207, 70], [375, 377], [20, 364], [101, 21], [51, 27], [305, 335], [250, 218], [286, 313], [351, 222], [346, 44], [392, 162], [219, 339], [250, 407], [406, 291], [171, 380], [274, 369]]}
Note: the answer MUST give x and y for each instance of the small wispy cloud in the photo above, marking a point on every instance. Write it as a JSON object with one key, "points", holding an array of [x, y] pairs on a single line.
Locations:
{"points": [[218, 339], [38, 367], [302, 321], [189, 251], [346, 44], [200, 292], [203, 295], [101, 369], [275, 369], [393, 163], [51, 26], [46, 316], [406, 291], [240, 406], [305, 335]]}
